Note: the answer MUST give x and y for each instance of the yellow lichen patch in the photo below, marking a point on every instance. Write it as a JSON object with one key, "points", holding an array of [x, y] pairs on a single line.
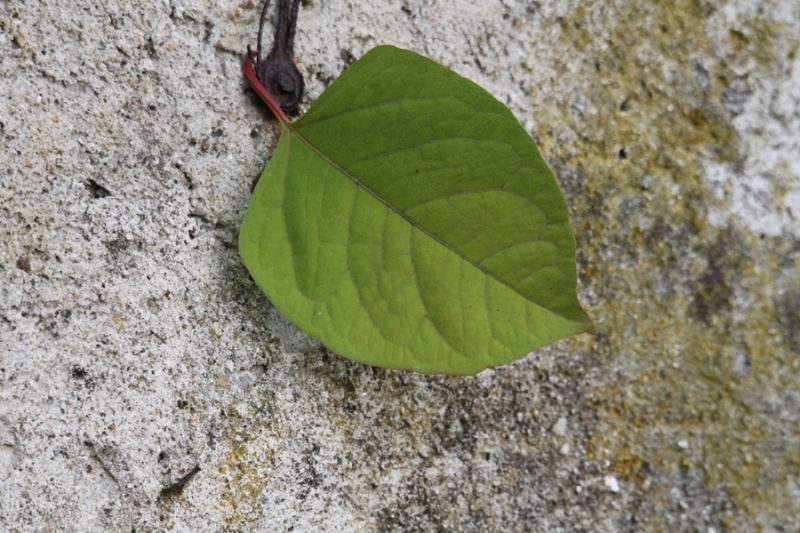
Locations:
{"points": [[242, 473], [699, 317], [692, 410]]}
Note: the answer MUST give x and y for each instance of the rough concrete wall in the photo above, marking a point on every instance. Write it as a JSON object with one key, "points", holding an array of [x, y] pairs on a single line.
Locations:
{"points": [[134, 346]]}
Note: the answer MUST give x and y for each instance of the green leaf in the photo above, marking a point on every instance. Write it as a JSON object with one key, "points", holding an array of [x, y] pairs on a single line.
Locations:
{"points": [[408, 221]]}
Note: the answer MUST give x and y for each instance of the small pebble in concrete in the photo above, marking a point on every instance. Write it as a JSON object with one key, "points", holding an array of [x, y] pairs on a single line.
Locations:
{"points": [[612, 483], [560, 427]]}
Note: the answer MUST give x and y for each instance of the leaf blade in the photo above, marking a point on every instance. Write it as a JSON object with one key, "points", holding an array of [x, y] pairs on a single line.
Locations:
{"points": [[465, 206]]}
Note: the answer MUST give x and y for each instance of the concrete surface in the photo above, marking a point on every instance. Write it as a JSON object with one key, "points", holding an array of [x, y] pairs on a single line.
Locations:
{"points": [[134, 346]]}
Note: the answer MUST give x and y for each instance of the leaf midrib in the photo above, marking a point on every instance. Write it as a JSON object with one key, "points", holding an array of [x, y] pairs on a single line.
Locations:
{"points": [[293, 130]]}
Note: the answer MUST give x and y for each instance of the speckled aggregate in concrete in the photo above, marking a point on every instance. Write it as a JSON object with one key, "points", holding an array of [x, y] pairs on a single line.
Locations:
{"points": [[134, 346]]}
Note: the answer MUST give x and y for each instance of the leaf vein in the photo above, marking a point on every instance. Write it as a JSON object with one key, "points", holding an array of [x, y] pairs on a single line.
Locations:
{"points": [[403, 215]]}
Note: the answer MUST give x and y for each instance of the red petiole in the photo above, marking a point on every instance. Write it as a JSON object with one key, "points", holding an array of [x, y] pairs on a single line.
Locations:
{"points": [[259, 88]]}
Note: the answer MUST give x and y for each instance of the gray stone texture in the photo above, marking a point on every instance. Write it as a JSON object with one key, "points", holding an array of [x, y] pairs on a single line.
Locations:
{"points": [[134, 346]]}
